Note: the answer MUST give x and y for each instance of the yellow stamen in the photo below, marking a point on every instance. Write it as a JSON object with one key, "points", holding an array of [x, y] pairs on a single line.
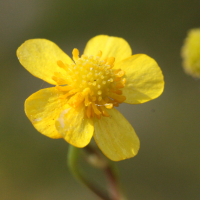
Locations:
{"points": [[114, 102], [62, 65], [117, 78], [109, 105], [117, 92], [64, 88], [111, 61], [120, 73], [121, 83], [86, 91], [89, 111], [96, 110], [105, 113], [87, 101], [75, 54], [116, 71], [92, 83], [99, 54], [58, 80], [76, 100], [106, 103], [118, 98], [71, 92], [92, 112]]}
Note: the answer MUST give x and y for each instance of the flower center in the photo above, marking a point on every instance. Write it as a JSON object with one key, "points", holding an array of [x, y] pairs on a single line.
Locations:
{"points": [[93, 83]]}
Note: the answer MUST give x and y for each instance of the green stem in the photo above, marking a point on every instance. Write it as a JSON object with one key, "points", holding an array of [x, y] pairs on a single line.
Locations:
{"points": [[73, 155], [110, 171]]}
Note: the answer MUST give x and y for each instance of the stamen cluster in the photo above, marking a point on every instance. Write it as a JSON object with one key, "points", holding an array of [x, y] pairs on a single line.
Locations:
{"points": [[93, 83]]}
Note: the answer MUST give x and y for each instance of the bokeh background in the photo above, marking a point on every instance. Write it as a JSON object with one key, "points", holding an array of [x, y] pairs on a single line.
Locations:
{"points": [[33, 167]]}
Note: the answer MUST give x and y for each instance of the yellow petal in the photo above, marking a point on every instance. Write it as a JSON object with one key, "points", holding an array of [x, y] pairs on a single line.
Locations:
{"points": [[115, 136], [40, 56], [191, 53], [110, 47], [74, 126], [144, 79], [43, 108]]}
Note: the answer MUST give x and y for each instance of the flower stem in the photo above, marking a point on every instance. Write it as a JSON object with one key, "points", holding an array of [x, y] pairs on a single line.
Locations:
{"points": [[96, 159], [110, 171], [72, 163]]}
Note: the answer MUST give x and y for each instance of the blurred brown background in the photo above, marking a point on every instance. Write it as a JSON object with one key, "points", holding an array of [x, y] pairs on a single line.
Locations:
{"points": [[33, 167]]}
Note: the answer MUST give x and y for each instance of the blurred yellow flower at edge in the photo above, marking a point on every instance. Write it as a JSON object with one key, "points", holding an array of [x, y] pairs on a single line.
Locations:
{"points": [[191, 53], [81, 105]]}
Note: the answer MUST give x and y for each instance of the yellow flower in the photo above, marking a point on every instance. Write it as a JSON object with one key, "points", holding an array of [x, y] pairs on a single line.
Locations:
{"points": [[81, 104], [191, 53]]}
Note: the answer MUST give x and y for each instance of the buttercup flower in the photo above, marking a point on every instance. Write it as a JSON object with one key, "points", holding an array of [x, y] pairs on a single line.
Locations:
{"points": [[81, 104], [191, 53]]}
